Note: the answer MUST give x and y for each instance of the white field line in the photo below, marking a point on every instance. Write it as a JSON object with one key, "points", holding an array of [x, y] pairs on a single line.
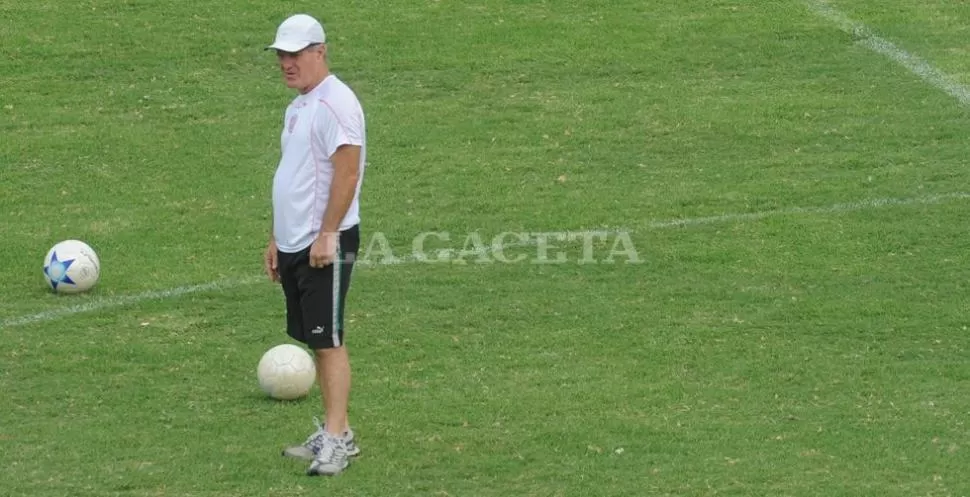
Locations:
{"points": [[913, 63], [123, 300], [829, 209], [120, 301]]}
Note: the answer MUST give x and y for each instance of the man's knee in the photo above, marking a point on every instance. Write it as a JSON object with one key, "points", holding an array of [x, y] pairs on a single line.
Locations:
{"points": [[324, 352]]}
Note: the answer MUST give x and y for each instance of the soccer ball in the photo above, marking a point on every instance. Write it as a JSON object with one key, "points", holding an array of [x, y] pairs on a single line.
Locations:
{"points": [[286, 372], [71, 266]]}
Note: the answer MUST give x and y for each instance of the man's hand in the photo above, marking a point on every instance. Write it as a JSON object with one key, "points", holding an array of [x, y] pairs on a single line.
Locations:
{"points": [[324, 249], [271, 262]]}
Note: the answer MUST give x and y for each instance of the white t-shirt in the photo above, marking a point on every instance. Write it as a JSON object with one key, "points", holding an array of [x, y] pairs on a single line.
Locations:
{"points": [[315, 124]]}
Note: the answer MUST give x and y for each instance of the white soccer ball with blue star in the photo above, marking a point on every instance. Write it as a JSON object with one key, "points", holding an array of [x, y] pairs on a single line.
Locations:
{"points": [[72, 266], [286, 372]]}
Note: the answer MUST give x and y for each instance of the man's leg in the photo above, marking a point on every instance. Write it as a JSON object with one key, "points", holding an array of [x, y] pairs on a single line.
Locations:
{"points": [[333, 359], [331, 285], [322, 331], [333, 374]]}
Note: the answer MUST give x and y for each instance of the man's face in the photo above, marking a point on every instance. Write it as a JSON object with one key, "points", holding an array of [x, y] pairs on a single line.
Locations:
{"points": [[301, 67]]}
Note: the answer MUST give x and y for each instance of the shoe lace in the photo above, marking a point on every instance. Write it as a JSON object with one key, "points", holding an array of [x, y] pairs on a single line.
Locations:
{"points": [[331, 448], [315, 442]]}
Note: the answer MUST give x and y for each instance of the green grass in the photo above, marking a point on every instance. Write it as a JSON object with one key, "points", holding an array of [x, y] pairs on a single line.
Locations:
{"points": [[802, 353]]}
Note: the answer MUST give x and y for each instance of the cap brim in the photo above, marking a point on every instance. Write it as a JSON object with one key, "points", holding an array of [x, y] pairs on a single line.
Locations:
{"points": [[289, 46]]}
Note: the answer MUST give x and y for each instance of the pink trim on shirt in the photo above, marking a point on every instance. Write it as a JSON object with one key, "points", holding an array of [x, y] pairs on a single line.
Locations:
{"points": [[317, 166], [336, 116]]}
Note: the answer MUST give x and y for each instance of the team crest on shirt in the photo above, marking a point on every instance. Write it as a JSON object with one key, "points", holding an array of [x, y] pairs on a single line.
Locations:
{"points": [[292, 123]]}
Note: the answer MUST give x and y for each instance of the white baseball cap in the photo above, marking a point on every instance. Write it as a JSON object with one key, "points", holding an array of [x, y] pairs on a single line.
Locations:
{"points": [[298, 32]]}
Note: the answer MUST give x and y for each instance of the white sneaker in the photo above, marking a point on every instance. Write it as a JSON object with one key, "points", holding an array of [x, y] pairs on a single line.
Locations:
{"points": [[311, 447], [331, 459]]}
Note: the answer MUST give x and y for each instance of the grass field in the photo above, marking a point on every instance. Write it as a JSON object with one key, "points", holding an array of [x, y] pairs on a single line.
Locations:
{"points": [[796, 324]]}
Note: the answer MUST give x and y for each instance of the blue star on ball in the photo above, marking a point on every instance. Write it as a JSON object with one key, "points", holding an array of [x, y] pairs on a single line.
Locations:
{"points": [[56, 271]]}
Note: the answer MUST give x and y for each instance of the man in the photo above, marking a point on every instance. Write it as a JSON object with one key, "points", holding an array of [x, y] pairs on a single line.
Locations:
{"points": [[315, 234]]}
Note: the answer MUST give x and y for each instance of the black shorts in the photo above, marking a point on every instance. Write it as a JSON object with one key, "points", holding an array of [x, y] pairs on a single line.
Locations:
{"points": [[315, 296]]}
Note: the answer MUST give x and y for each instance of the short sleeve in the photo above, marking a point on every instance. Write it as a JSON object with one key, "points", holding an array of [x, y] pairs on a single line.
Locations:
{"points": [[337, 125]]}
